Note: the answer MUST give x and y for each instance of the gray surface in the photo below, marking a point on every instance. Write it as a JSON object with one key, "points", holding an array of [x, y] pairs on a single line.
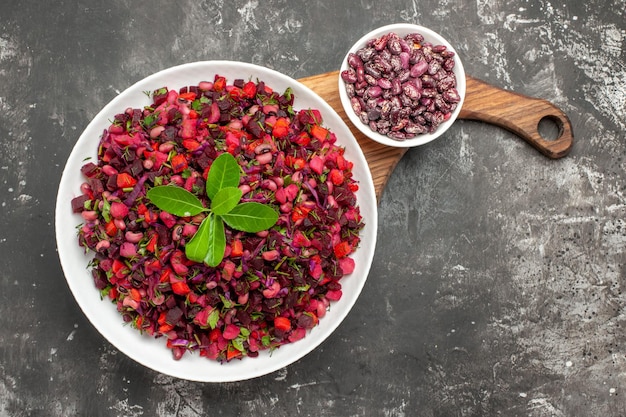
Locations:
{"points": [[497, 286]]}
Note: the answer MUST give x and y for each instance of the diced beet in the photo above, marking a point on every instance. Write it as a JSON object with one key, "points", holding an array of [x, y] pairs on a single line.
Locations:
{"points": [[89, 169], [96, 186], [174, 315], [78, 203], [159, 96], [169, 134], [112, 183]]}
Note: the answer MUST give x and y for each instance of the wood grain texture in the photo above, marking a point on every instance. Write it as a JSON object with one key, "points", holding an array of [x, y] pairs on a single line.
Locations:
{"points": [[483, 102], [381, 159], [519, 114]]}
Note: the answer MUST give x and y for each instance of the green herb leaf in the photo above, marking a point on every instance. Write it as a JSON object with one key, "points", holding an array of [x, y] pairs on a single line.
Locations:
{"points": [[214, 318], [251, 217], [238, 343], [106, 210], [150, 120], [225, 200], [162, 90], [197, 248], [226, 302], [209, 243], [288, 93], [224, 172], [175, 200], [217, 242]]}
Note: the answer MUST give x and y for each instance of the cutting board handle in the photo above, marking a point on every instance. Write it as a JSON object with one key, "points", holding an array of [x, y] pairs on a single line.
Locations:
{"points": [[519, 114]]}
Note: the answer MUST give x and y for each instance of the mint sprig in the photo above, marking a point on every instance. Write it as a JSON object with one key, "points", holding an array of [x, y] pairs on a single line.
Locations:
{"points": [[209, 243]]}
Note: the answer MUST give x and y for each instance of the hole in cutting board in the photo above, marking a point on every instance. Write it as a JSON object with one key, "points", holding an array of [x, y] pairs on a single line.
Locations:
{"points": [[550, 128]]}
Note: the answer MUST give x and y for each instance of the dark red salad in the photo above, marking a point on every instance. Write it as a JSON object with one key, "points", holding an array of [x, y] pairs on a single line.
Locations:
{"points": [[220, 218]]}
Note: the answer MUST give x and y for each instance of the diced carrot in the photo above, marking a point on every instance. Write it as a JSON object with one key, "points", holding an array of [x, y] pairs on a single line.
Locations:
{"points": [[342, 249], [151, 246], [179, 163], [342, 163], [164, 328], [125, 180], [219, 84], [192, 297], [236, 94], [336, 176], [281, 127], [180, 288], [215, 335], [236, 248], [299, 212], [249, 89], [191, 144], [150, 217], [319, 132], [295, 162], [303, 139], [110, 228], [282, 323], [190, 95], [232, 352], [142, 209], [134, 294], [165, 275], [113, 293]]}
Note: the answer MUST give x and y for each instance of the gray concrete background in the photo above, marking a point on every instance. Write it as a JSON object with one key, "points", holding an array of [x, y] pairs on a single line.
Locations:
{"points": [[497, 288]]}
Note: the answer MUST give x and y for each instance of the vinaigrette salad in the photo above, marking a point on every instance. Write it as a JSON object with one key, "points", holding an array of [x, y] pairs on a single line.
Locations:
{"points": [[268, 287]]}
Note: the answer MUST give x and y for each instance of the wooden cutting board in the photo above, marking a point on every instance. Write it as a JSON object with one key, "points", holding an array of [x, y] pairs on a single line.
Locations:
{"points": [[483, 102]]}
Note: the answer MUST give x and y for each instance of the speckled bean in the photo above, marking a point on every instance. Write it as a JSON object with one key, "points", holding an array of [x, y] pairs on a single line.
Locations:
{"points": [[356, 105], [384, 83], [264, 158], [349, 76], [401, 86]]}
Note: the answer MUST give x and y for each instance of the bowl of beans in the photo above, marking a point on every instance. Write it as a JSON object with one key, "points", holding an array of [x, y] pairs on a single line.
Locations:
{"points": [[402, 85]]}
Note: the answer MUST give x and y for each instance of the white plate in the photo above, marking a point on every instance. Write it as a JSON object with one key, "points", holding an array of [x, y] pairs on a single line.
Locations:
{"points": [[103, 315], [403, 29]]}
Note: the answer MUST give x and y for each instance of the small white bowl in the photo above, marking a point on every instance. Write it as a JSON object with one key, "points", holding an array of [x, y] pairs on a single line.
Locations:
{"points": [[403, 29]]}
